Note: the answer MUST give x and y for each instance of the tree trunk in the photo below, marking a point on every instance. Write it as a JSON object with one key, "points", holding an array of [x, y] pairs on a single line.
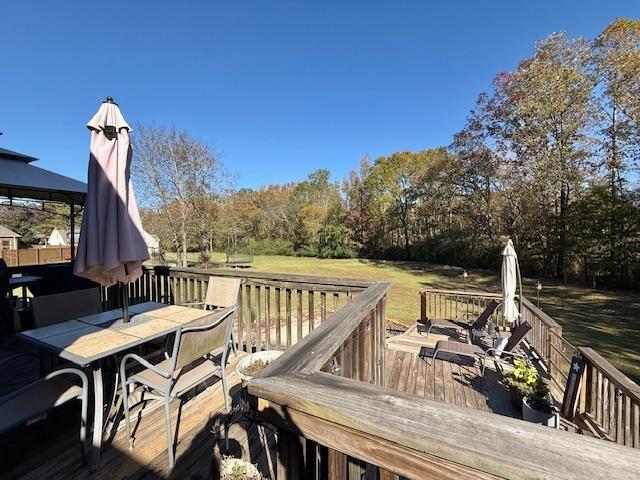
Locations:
{"points": [[184, 248]]}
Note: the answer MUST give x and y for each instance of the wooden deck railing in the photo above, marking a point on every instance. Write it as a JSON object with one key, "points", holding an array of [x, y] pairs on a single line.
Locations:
{"points": [[336, 420], [275, 310], [609, 402], [545, 337]]}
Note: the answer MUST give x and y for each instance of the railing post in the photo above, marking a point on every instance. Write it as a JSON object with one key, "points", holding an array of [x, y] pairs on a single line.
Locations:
{"points": [[554, 345], [423, 305], [290, 456]]}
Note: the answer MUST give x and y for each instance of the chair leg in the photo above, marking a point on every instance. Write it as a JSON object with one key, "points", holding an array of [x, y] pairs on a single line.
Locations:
{"points": [[435, 354], [167, 417], [83, 428], [125, 408], [225, 390], [233, 344], [428, 331]]}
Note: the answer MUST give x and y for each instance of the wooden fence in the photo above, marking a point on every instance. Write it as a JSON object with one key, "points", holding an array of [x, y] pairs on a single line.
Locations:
{"points": [[36, 256]]}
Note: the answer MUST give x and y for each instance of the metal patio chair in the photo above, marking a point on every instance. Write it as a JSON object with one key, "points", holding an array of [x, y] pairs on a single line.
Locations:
{"points": [[474, 351], [190, 363], [59, 307], [222, 292], [34, 400]]}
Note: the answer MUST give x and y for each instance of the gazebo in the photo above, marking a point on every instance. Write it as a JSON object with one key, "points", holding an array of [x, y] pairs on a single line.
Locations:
{"points": [[20, 180]]}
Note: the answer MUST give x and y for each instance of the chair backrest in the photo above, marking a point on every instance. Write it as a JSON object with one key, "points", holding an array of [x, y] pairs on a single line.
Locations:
{"points": [[59, 307], [483, 319], [517, 336], [202, 336], [222, 292]]}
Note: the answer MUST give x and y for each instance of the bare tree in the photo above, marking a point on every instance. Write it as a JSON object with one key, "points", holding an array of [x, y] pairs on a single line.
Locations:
{"points": [[173, 173]]}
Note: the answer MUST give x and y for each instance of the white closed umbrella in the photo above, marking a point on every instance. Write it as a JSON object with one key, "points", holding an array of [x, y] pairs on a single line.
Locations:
{"points": [[111, 247], [510, 280]]}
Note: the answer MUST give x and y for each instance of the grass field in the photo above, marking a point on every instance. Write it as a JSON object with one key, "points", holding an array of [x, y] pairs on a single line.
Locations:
{"points": [[606, 320]]}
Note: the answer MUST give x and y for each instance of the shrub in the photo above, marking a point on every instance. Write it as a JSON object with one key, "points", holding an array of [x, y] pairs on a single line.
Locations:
{"points": [[270, 246]]}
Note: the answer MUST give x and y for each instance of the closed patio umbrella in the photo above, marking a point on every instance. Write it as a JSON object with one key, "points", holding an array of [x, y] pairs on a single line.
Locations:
{"points": [[111, 248], [510, 280]]}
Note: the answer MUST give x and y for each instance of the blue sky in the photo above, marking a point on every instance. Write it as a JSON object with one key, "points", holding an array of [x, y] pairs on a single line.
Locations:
{"points": [[278, 89]]}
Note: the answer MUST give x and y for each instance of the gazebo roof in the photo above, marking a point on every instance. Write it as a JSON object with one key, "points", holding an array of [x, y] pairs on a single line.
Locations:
{"points": [[20, 179]]}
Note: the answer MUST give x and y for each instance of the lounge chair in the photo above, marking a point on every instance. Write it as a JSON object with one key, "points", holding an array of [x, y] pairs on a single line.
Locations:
{"points": [[479, 323], [34, 400], [191, 362], [474, 351]]}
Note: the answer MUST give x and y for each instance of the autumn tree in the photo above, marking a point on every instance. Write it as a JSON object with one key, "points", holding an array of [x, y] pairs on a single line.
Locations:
{"points": [[173, 172]]}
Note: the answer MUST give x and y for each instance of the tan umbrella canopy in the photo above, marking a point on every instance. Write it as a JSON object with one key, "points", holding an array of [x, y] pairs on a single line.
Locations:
{"points": [[510, 280], [111, 247]]}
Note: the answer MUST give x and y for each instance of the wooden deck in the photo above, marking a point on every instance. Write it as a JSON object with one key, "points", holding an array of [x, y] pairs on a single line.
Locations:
{"points": [[410, 368], [49, 449]]}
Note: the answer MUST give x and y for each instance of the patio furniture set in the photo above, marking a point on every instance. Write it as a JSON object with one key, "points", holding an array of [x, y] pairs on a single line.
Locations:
{"points": [[475, 330], [74, 334]]}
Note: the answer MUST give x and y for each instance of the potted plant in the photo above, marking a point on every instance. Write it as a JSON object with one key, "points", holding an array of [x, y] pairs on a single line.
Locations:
{"points": [[238, 469], [531, 394], [520, 381], [537, 406], [252, 364]]}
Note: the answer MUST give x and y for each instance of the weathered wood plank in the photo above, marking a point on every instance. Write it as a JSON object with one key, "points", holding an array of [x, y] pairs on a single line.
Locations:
{"points": [[290, 456], [325, 340], [473, 439]]}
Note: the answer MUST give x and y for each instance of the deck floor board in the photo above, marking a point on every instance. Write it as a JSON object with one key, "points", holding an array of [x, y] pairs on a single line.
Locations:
{"points": [[415, 372], [50, 449]]}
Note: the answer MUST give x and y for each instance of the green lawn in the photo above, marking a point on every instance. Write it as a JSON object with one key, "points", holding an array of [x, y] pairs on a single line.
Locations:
{"points": [[606, 320]]}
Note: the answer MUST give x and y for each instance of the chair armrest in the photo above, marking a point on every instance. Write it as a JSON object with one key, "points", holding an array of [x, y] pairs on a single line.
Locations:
{"points": [[188, 304], [73, 371], [512, 354], [144, 363], [63, 371]]}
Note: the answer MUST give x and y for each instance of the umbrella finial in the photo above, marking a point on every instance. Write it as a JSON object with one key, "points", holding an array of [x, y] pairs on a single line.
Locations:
{"points": [[109, 100]]}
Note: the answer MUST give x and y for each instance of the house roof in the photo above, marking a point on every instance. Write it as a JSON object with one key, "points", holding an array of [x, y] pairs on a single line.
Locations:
{"points": [[20, 179], [21, 157], [5, 232]]}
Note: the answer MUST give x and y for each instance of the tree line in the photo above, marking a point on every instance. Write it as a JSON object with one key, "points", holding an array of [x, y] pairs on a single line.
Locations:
{"points": [[548, 157]]}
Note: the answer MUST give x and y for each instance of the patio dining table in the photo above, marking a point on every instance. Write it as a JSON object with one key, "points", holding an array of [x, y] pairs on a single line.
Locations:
{"points": [[86, 341]]}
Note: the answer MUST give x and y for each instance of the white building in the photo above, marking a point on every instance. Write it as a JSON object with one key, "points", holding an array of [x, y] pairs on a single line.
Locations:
{"points": [[60, 237], [152, 241]]}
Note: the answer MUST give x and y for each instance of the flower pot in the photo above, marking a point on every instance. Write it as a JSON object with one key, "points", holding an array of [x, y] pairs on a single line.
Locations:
{"points": [[236, 468], [516, 399], [265, 356], [536, 416]]}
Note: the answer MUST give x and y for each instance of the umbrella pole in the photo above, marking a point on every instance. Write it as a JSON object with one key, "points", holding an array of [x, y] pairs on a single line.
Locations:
{"points": [[125, 302]]}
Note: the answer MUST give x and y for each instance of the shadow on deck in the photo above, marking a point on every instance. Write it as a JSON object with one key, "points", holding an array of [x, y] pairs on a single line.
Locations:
{"points": [[410, 368], [49, 449]]}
